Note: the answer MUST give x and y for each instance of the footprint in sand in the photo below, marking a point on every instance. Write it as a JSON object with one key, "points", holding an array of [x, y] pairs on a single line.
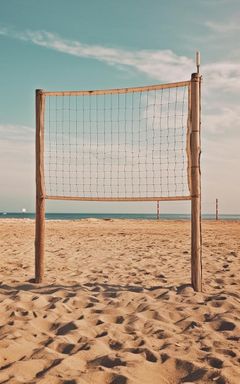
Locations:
{"points": [[102, 334], [65, 348], [118, 379], [225, 326], [215, 362], [63, 330], [192, 373], [45, 370], [164, 357], [108, 361], [115, 345], [227, 352], [119, 320], [148, 355]]}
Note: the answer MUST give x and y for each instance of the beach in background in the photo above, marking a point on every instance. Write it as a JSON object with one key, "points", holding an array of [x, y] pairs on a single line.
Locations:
{"points": [[116, 305]]}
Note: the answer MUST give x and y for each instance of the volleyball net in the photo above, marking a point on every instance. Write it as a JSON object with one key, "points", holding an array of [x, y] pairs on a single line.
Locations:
{"points": [[120, 144], [132, 144]]}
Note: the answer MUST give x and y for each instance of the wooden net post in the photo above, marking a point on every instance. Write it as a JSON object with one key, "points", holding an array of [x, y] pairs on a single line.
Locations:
{"points": [[40, 189], [195, 143], [216, 209]]}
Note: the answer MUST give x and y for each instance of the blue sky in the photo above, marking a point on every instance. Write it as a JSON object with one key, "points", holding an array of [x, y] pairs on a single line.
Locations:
{"points": [[61, 45]]}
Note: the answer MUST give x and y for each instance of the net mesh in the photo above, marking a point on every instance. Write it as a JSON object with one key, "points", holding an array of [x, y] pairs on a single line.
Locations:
{"points": [[117, 145]]}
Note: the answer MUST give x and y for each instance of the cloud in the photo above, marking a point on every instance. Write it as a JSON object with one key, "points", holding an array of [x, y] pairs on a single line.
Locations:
{"points": [[223, 125], [17, 145], [221, 80], [224, 27], [161, 65], [221, 122], [222, 75], [17, 165], [16, 133]]}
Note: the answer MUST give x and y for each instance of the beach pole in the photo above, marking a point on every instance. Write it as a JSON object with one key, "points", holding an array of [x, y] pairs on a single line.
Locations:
{"points": [[196, 238], [40, 189], [158, 210], [216, 209]]}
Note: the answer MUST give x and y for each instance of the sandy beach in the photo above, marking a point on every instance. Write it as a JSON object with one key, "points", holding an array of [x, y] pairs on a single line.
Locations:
{"points": [[116, 305]]}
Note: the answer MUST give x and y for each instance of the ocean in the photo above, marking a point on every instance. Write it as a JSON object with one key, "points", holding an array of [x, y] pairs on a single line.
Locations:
{"points": [[132, 216]]}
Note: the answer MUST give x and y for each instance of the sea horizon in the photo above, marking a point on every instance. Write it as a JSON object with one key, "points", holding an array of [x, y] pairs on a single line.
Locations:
{"points": [[133, 216]]}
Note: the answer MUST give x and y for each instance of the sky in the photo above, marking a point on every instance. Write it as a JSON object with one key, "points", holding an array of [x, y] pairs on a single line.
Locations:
{"points": [[77, 44]]}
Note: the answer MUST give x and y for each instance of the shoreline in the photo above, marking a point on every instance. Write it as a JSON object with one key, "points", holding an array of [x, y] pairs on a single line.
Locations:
{"points": [[162, 219]]}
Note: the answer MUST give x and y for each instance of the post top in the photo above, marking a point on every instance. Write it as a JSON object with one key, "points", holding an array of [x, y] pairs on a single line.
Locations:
{"points": [[39, 91], [195, 76]]}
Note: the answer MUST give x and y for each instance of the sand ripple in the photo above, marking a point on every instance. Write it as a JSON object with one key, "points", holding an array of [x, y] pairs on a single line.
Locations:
{"points": [[117, 307]]}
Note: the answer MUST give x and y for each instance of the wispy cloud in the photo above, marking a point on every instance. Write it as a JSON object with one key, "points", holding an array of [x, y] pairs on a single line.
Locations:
{"points": [[17, 143], [17, 165], [161, 65], [226, 121], [223, 75], [17, 160], [220, 78], [12, 133], [224, 27]]}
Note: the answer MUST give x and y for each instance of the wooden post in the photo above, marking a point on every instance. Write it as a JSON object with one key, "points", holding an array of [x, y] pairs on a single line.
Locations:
{"points": [[40, 188], [196, 237], [216, 209], [158, 210]]}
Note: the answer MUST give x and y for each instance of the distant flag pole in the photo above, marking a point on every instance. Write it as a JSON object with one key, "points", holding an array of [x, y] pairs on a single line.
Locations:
{"points": [[216, 209], [198, 59]]}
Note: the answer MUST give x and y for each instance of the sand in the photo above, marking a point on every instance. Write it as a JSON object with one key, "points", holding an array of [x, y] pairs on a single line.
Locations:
{"points": [[116, 306]]}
